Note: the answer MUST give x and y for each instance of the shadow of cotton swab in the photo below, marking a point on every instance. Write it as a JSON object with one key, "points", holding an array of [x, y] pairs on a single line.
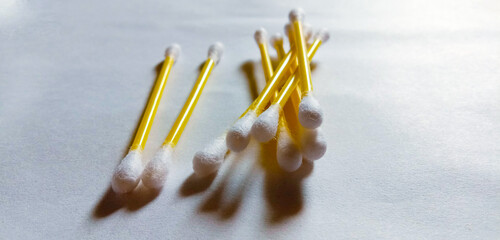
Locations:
{"points": [[282, 190]]}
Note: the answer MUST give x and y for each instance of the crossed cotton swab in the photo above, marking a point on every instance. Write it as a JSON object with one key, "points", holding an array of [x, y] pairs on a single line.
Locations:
{"points": [[313, 142], [127, 173], [156, 170], [238, 136], [310, 113]]}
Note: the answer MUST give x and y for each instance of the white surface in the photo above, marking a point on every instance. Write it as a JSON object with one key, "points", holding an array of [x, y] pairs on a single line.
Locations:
{"points": [[410, 91]]}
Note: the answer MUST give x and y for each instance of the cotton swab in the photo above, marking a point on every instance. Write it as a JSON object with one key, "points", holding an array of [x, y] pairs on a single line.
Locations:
{"points": [[308, 32], [277, 43], [288, 154], [313, 144], [310, 112], [156, 170], [127, 173], [209, 159], [266, 125]]}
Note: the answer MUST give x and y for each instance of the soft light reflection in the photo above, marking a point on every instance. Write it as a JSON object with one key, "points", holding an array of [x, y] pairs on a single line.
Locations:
{"points": [[10, 10]]}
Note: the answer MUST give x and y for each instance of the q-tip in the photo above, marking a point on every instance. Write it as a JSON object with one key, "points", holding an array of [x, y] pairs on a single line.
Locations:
{"points": [[173, 51], [306, 28], [323, 35], [238, 136], [313, 144], [265, 127], [215, 52], [156, 171], [287, 152], [296, 14], [310, 112], [209, 160], [276, 38], [260, 36], [127, 174]]}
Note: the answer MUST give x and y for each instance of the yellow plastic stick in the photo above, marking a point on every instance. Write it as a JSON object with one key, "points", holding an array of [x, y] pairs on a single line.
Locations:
{"points": [[293, 106], [296, 17], [293, 81], [182, 119], [277, 42], [260, 102], [141, 136], [266, 62], [296, 94]]}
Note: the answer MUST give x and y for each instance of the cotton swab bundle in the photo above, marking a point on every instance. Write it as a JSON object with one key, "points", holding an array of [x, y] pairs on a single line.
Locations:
{"points": [[127, 173], [156, 170], [238, 136], [310, 112], [266, 125]]}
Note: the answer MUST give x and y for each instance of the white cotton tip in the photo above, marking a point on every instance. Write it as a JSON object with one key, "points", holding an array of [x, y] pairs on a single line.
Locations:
{"points": [[215, 52], [209, 160], [266, 125], [260, 36], [288, 153], [296, 14], [277, 38], [323, 35], [310, 113], [313, 144], [173, 51], [307, 31], [238, 136], [156, 171], [127, 174]]}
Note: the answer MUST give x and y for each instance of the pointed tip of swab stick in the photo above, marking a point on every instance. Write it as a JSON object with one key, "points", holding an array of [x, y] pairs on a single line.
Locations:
{"points": [[209, 160], [323, 35], [238, 136], [277, 38], [215, 51], [296, 14], [260, 36], [287, 152], [265, 127], [156, 171], [310, 112], [173, 51], [127, 174], [313, 144]]}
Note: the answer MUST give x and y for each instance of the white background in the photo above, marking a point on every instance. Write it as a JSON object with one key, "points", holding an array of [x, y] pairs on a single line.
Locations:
{"points": [[410, 89]]}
